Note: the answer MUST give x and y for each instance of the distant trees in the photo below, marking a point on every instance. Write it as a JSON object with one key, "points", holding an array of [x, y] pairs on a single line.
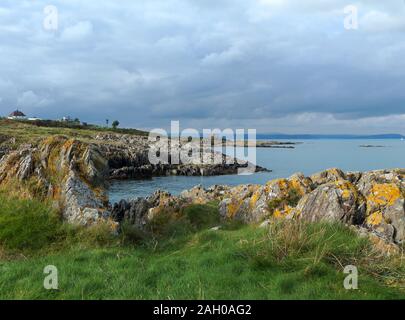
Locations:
{"points": [[115, 124]]}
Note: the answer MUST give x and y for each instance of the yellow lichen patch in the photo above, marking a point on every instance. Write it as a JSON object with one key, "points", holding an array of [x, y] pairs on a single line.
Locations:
{"points": [[329, 175], [346, 194], [375, 218], [68, 144], [51, 152], [284, 195], [282, 213], [384, 194], [277, 214], [334, 171], [287, 186], [296, 184], [283, 184], [348, 189], [267, 188], [255, 197], [233, 208]]}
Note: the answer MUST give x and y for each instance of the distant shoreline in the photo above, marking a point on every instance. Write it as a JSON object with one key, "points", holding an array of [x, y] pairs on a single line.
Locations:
{"points": [[393, 136]]}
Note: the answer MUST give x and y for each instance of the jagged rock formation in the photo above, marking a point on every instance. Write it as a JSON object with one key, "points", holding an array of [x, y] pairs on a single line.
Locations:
{"points": [[6, 143], [332, 201], [371, 201], [68, 172], [384, 195], [128, 158]]}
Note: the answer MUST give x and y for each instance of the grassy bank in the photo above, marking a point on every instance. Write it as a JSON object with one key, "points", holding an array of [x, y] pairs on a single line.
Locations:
{"points": [[31, 131], [182, 258]]}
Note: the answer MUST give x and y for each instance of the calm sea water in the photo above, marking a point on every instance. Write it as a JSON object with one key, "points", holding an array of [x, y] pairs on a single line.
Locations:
{"points": [[309, 157]]}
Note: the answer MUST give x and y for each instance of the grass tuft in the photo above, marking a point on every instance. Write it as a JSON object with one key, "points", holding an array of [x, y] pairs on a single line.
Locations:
{"points": [[27, 224]]}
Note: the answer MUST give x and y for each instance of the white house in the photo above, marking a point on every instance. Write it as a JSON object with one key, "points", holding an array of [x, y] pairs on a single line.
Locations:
{"points": [[17, 115]]}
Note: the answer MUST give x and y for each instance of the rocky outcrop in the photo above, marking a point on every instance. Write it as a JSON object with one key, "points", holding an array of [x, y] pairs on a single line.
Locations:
{"points": [[332, 201], [384, 195], [139, 211], [6, 145], [128, 158], [330, 175], [254, 203], [371, 201], [68, 172]]}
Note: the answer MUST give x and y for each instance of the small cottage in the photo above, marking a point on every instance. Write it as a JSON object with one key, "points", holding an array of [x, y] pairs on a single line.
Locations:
{"points": [[17, 115]]}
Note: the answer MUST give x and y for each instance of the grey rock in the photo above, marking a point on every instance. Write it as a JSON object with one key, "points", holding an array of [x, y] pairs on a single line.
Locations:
{"points": [[330, 202]]}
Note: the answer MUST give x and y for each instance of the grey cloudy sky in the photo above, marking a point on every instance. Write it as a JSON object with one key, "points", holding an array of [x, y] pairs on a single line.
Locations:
{"points": [[274, 65]]}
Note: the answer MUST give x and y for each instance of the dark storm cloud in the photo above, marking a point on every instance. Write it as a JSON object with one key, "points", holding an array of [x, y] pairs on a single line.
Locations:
{"points": [[274, 65]]}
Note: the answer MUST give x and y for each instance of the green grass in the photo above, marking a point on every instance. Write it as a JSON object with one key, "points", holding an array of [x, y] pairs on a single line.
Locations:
{"points": [[31, 132], [185, 259], [32, 228], [27, 224]]}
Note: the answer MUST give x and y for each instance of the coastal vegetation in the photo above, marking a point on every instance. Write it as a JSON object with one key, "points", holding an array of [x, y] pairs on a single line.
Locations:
{"points": [[183, 257]]}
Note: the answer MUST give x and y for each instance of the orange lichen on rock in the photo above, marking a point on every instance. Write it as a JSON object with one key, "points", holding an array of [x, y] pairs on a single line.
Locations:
{"points": [[283, 212], [375, 219], [383, 194], [348, 189], [283, 184], [233, 207], [255, 197], [381, 198]]}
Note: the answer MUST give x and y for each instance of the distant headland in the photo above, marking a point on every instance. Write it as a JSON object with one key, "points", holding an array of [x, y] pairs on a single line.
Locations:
{"points": [[281, 136]]}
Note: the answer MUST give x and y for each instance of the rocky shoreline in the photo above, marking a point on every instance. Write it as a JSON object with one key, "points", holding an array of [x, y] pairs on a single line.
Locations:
{"points": [[371, 202], [74, 174], [128, 159]]}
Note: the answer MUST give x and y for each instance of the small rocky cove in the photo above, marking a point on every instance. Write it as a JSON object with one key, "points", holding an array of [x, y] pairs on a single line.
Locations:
{"points": [[74, 175]]}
